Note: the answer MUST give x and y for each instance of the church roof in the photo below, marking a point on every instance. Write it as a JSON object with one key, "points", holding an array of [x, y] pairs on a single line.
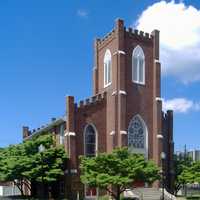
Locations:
{"points": [[45, 128]]}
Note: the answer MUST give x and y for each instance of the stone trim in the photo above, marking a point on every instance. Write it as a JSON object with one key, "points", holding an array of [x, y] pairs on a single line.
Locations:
{"points": [[157, 61], [122, 92], [123, 132], [119, 52], [114, 93], [112, 133], [70, 134], [158, 99], [159, 136]]}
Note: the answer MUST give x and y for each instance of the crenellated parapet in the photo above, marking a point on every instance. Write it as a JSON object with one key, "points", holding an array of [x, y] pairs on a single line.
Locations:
{"points": [[139, 34], [106, 39], [91, 101], [128, 32]]}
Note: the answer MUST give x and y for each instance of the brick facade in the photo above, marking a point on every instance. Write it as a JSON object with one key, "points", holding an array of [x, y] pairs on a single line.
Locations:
{"points": [[111, 108]]}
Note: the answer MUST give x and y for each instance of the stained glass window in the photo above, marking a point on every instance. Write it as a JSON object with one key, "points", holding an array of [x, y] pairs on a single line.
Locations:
{"points": [[90, 141], [136, 133]]}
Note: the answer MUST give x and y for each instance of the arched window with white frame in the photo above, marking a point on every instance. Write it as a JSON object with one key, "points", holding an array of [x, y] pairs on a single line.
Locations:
{"points": [[107, 68], [138, 65], [90, 150], [138, 136], [90, 140]]}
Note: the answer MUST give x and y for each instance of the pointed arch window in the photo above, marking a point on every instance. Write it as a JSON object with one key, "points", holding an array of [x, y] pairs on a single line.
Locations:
{"points": [[90, 140], [138, 65], [107, 68], [137, 135], [90, 145]]}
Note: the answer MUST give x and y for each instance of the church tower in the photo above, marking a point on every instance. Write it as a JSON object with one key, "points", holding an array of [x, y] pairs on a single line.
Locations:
{"points": [[127, 67]]}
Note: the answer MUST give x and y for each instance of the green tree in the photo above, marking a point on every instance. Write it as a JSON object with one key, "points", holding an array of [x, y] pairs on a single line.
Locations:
{"points": [[180, 164], [22, 162], [117, 171], [12, 164], [191, 174]]}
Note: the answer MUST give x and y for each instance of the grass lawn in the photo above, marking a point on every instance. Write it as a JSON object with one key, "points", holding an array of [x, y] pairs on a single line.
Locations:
{"points": [[192, 198]]}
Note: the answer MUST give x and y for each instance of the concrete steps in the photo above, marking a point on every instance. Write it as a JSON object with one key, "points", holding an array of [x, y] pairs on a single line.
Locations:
{"points": [[148, 193], [145, 194]]}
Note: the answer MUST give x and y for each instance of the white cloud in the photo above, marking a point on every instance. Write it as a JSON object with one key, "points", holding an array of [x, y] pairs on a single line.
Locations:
{"points": [[179, 27], [181, 105], [82, 13]]}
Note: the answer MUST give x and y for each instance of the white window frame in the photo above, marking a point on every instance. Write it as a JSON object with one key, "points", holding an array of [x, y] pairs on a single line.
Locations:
{"points": [[107, 59], [96, 151], [141, 55], [96, 138], [62, 136]]}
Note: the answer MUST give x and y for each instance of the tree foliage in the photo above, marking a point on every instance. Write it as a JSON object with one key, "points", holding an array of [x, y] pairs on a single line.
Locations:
{"points": [[117, 170], [180, 165], [191, 174], [22, 162]]}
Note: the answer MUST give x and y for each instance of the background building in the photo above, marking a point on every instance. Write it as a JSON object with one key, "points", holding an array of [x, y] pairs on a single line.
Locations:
{"points": [[8, 189], [193, 154]]}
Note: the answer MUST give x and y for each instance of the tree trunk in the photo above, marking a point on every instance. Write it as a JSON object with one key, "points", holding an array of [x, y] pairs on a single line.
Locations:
{"points": [[28, 186], [118, 197], [19, 187], [177, 188], [115, 194], [118, 193]]}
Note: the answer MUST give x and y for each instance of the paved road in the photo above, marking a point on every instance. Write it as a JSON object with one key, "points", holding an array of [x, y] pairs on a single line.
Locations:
{"points": [[13, 198]]}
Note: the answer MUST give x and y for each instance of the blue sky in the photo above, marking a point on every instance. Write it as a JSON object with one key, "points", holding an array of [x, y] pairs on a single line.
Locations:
{"points": [[46, 53]]}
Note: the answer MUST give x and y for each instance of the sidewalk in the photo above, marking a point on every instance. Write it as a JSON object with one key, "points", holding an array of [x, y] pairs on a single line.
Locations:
{"points": [[180, 198]]}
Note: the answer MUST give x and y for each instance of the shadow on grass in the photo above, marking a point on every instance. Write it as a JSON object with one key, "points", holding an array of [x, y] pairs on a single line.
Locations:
{"points": [[17, 197]]}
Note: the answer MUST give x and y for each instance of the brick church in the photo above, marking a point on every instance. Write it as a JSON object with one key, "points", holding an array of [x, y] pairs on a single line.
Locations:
{"points": [[125, 109]]}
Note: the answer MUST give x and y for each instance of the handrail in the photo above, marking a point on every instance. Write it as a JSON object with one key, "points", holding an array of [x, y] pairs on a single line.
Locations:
{"points": [[169, 195], [137, 193]]}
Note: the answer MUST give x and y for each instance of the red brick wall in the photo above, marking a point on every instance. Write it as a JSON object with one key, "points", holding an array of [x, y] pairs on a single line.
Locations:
{"points": [[140, 97], [92, 114]]}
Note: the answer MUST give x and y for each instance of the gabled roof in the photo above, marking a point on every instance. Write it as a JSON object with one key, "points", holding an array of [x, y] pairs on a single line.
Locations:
{"points": [[47, 127]]}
